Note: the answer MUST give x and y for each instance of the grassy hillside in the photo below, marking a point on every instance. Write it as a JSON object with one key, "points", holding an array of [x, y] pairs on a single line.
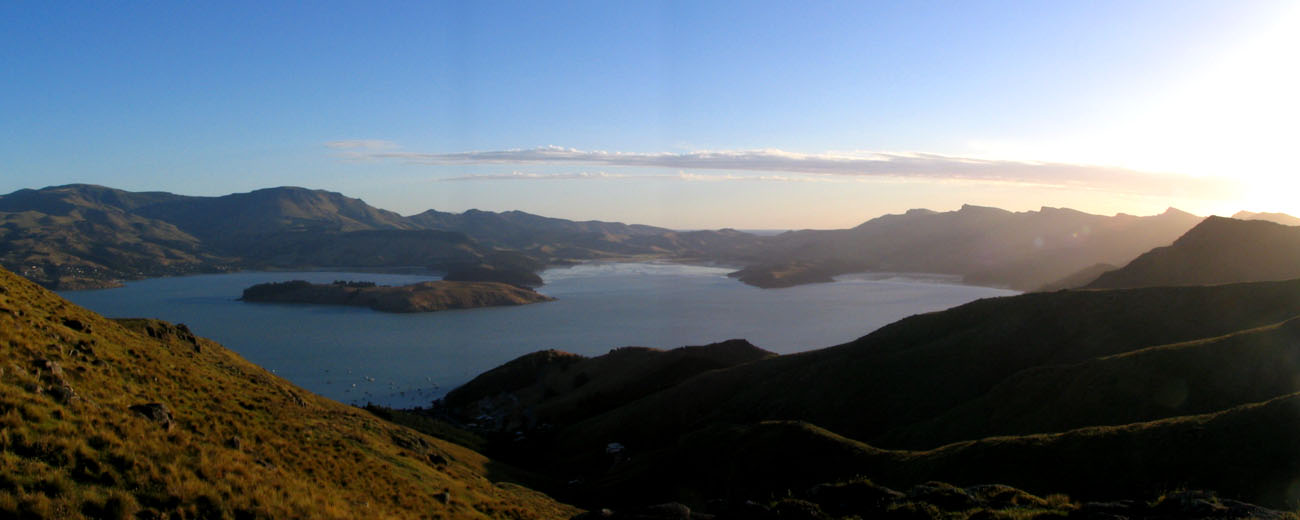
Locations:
{"points": [[1218, 250], [140, 418]]}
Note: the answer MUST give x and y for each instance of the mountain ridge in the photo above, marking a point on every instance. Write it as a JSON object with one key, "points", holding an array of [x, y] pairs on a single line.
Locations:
{"points": [[1218, 250]]}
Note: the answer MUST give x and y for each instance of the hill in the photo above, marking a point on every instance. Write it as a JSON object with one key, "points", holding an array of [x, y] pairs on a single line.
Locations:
{"points": [[1098, 394], [1279, 218], [552, 387], [417, 297], [143, 419], [77, 237], [85, 236], [987, 246], [81, 235], [1079, 279], [567, 240], [1218, 250]]}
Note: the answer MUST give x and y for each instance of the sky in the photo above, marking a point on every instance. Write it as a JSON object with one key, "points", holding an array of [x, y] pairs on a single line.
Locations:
{"points": [[690, 115]]}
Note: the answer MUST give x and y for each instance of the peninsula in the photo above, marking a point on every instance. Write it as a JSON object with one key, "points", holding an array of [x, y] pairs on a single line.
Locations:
{"points": [[418, 297]]}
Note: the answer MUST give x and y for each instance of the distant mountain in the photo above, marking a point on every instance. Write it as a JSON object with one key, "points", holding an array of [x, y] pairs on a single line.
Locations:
{"points": [[1093, 393], [80, 236], [987, 246], [1218, 250], [86, 236], [271, 211], [1280, 218], [142, 419], [561, 239]]}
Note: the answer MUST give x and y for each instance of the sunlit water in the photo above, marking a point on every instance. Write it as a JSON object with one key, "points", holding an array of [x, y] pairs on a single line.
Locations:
{"points": [[357, 355]]}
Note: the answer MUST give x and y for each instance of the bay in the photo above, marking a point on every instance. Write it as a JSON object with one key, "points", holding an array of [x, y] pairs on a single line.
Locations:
{"points": [[357, 355]]}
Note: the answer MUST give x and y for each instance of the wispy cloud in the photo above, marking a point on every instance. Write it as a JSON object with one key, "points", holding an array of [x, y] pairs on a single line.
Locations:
{"points": [[362, 144], [679, 176], [530, 176], [802, 167]]}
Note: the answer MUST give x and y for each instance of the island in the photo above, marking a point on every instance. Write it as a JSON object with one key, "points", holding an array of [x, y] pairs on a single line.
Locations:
{"points": [[417, 297]]}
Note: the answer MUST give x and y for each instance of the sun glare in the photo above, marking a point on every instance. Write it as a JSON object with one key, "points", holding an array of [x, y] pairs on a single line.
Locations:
{"points": [[1236, 119]]}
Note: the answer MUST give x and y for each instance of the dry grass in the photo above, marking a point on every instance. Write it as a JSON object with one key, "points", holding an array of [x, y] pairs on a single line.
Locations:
{"points": [[244, 443]]}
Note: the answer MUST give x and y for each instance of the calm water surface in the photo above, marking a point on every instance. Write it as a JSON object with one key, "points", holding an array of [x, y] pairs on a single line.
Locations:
{"points": [[356, 355]]}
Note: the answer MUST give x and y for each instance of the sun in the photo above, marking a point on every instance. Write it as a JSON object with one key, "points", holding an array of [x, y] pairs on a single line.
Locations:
{"points": [[1238, 119]]}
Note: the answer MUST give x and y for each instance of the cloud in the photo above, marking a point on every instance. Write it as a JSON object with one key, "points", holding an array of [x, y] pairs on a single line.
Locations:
{"points": [[530, 176], [679, 176], [802, 167], [362, 144]]}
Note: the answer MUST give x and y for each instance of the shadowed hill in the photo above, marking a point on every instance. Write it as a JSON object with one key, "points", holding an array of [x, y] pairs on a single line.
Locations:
{"points": [[140, 418], [1098, 394], [924, 366], [987, 246], [1195, 377], [559, 388], [1246, 452], [1079, 279], [1218, 250]]}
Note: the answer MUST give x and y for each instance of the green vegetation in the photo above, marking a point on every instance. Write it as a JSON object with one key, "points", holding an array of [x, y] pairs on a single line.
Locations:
{"points": [[142, 419]]}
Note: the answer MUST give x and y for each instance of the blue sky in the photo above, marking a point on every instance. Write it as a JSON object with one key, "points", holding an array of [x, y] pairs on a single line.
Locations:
{"points": [[684, 114]]}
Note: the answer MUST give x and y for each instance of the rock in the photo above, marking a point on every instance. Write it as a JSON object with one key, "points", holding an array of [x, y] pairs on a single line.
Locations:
{"points": [[76, 325], [444, 497], [50, 366], [62, 393], [156, 412], [234, 443]]}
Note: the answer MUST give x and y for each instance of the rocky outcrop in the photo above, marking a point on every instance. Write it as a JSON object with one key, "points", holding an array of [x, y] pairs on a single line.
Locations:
{"points": [[155, 412]]}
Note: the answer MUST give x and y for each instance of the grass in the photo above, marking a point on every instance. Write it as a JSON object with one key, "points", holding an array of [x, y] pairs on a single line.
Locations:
{"points": [[243, 444]]}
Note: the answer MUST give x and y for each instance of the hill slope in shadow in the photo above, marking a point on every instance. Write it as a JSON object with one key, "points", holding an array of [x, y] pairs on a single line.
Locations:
{"points": [[1218, 250]]}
